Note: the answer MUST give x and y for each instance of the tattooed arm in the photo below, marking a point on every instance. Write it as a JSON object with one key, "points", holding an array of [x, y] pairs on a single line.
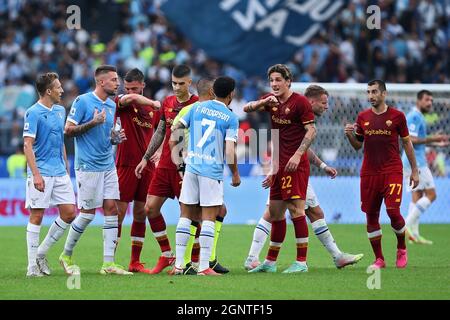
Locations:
{"points": [[73, 130], [153, 146], [306, 142]]}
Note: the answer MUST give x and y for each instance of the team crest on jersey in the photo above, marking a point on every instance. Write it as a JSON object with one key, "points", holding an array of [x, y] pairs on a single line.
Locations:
{"points": [[274, 109], [366, 123], [135, 110], [150, 114], [110, 111], [60, 115], [287, 110], [388, 122], [170, 110]]}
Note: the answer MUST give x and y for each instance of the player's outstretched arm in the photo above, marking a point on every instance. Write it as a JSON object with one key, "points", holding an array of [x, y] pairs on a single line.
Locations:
{"points": [[259, 105], [231, 158], [438, 140], [409, 150], [355, 141], [38, 181], [309, 137], [138, 99], [73, 130], [312, 156]]}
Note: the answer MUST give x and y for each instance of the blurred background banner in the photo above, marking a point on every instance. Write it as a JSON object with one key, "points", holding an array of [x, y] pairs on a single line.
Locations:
{"points": [[238, 32]]}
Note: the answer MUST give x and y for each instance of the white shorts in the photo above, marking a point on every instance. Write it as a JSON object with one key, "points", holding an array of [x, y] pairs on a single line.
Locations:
{"points": [[426, 180], [198, 189], [57, 190], [311, 198], [94, 187]]}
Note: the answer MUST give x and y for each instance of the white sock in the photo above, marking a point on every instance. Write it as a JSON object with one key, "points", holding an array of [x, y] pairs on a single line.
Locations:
{"points": [[260, 235], [76, 230], [182, 235], [411, 219], [320, 229], [54, 234], [417, 209], [206, 240], [110, 228], [32, 243]]}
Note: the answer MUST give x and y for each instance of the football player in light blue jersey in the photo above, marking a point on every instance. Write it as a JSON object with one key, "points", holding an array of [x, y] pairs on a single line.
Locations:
{"points": [[91, 122], [425, 193], [48, 181], [213, 130]]}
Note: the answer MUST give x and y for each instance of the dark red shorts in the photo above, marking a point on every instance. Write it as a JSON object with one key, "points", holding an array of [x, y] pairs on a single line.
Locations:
{"points": [[130, 187], [378, 187], [165, 183], [290, 185]]}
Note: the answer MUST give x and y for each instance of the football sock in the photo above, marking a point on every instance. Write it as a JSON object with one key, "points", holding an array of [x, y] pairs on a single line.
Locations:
{"points": [[276, 239], [206, 242], [32, 242], [190, 244], [218, 225], [375, 242], [301, 237], [158, 226], [76, 229], [110, 224], [322, 232], [398, 225], [137, 240], [195, 256], [262, 231], [416, 209], [182, 235], [54, 234]]}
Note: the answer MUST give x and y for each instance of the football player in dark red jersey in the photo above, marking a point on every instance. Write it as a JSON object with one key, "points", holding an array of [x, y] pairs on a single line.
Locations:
{"points": [[138, 116], [378, 130], [291, 114], [166, 182]]}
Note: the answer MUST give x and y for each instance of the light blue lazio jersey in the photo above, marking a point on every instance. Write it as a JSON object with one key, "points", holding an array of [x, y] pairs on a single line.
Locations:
{"points": [[210, 124], [46, 126], [93, 149], [417, 128]]}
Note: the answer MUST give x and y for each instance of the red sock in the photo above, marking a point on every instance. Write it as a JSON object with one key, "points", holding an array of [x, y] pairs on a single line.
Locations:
{"points": [[398, 224], [158, 226], [119, 230], [374, 233], [401, 244], [277, 236], [195, 254], [301, 235], [137, 239]]}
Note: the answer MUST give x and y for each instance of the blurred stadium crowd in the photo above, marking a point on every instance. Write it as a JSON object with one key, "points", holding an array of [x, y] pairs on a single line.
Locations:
{"points": [[413, 45]]}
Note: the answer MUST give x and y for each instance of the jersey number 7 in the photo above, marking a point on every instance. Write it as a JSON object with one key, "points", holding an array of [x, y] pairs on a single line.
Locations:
{"points": [[211, 125]]}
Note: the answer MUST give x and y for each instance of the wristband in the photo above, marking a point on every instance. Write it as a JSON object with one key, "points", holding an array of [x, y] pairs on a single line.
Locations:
{"points": [[323, 165]]}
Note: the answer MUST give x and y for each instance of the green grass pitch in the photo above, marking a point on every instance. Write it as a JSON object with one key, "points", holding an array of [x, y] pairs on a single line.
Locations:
{"points": [[426, 277]]}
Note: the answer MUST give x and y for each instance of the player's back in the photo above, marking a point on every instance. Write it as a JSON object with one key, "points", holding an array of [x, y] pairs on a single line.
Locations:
{"points": [[210, 123], [417, 127]]}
